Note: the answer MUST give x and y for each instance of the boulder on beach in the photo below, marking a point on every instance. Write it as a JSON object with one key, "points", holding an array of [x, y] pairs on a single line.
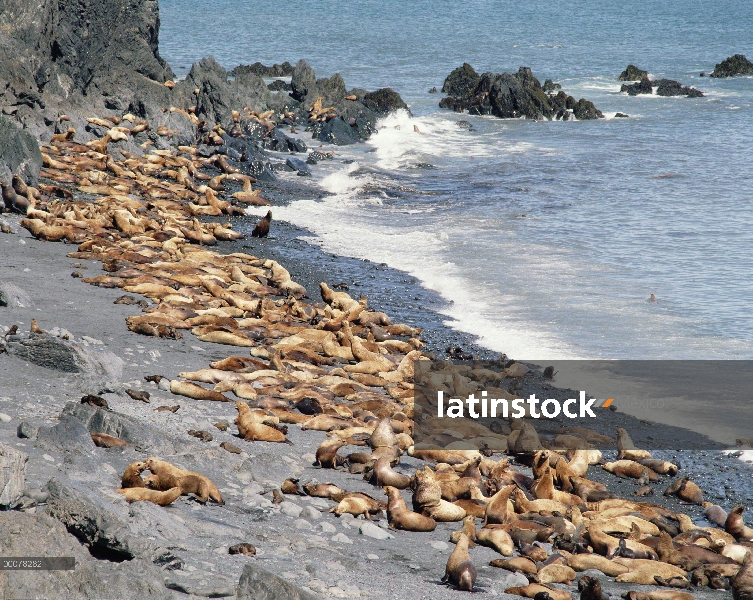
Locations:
{"points": [[633, 73], [19, 153], [734, 65], [512, 96]]}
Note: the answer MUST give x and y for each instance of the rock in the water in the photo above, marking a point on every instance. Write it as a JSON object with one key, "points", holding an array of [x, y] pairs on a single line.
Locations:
{"points": [[20, 536], [633, 73], [734, 65], [19, 153], [512, 96], [664, 87], [11, 295], [461, 81], [95, 370], [296, 164], [283, 70], [258, 584], [384, 101], [12, 475], [669, 87], [620, 115]]}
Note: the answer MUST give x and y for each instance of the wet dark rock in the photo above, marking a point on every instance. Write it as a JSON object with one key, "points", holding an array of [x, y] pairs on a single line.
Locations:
{"points": [[734, 65], [384, 101], [279, 142], [620, 115], [642, 87], [433, 90], [669, 87], [464, 125], [283, 70], [550, 87], [303, 80], [461, 81], [258, 584], [337, 131], [278, 85], [633, 73], [512, 96], [296, 164]]}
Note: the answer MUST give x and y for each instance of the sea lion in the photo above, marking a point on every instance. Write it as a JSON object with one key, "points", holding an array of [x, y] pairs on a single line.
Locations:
{"points": [[102, 440], [469, 529], [459, 570], [519, 564], [191, 390], [357, 505], [584, 562], [132, 475], [162, 498], [245, 548], [497, 509], [95, 401], [626, 448], [262, 227], [532, 590], [189, 482], [590, 589], [326, 453], [686, 490], [250, 429], [496, 538], [384, 475], [735, 525], [291, 486], [399, 517], [742, 583], [715, 513], [554, 573]]}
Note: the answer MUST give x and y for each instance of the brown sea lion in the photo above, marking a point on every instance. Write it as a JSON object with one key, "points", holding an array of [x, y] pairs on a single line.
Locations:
{"points": [[383, 475], [189, 481], [459, 570], [400, 517], [162, 498], [132, 475], [590, 589], [735, 525], [102, 440], [686, 490], [262, 227]]}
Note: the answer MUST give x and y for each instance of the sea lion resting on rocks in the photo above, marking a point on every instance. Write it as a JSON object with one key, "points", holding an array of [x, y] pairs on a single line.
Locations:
{"points": [[400, 517], [165, 476], [162, 498]]}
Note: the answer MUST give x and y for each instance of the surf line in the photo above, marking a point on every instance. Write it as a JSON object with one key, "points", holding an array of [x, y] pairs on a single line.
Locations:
{"points": [[550, 408]]}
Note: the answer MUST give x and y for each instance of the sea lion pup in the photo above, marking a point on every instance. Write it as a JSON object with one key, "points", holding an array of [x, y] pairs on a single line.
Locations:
{"points": [[399, 517], [262, 227], [324, 490], [102, 440], [162, 498], [189, 481], [590, 589], [626, 449], [459, 570], [686, 490], [715, 514], [735, 525], [383, 474], [291, 486], [132, 476], [469, 529], [251, 430]]}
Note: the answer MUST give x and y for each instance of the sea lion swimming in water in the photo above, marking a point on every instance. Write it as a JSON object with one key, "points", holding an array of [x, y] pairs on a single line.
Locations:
{"points": [[262, 227]]}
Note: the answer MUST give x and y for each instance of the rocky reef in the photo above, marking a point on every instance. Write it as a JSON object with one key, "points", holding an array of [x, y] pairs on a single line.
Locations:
{"points": [[734, 65], [512, 96]]}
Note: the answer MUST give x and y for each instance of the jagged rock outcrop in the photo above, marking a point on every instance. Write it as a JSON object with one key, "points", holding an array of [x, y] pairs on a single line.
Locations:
{"points": [[734, 65], [664, 87], [633, 73], [283, 70], [512, 96]]}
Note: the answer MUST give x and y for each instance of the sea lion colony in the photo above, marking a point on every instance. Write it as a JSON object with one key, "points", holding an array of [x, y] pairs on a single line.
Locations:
{"points": [[339, 367]]}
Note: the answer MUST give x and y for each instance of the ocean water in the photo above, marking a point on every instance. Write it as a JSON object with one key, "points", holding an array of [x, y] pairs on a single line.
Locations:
{"points": [[546, 239]]}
